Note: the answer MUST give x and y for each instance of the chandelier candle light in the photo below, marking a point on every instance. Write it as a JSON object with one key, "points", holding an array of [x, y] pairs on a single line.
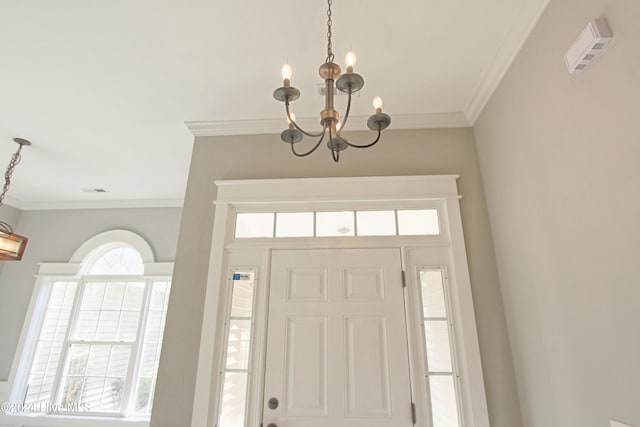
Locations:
{"points": [[348, 83], [12, 245]]}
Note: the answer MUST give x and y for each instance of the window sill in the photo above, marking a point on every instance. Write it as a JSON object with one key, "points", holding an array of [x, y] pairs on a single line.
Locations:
{"points": [[46, 420]]}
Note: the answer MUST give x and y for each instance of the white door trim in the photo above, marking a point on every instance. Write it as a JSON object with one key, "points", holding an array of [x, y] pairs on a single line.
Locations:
{"points": [[236, 196]]}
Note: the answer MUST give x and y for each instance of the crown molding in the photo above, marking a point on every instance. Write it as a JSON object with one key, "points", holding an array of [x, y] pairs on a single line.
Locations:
{"points": [[275, 126], [507, 53], [94, 204], [13, 202]]}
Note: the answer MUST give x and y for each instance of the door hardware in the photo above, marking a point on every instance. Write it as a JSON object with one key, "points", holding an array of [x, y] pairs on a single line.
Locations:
{"points": [[272, 403]]}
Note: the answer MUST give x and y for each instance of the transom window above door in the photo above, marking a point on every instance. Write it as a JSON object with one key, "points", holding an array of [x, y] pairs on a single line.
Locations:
{"points": [[407, 222]]}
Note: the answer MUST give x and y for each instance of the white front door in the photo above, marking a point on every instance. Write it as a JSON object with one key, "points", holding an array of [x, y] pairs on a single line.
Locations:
{"points": [[336, 342]]}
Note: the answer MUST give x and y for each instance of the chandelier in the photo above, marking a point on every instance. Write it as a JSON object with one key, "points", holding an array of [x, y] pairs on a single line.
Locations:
{"points": [[348, 83], [12, 245]]}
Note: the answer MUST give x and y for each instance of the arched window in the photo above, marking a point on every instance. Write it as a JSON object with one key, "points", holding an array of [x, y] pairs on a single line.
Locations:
{"points": [[99, 332], [121, 260]]}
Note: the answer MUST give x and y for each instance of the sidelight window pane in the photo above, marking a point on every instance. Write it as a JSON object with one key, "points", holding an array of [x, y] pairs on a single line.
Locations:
{"points": [[444, 407], [242, 297], [438, 347], [234, 399], [433, 304], [238, 344]]}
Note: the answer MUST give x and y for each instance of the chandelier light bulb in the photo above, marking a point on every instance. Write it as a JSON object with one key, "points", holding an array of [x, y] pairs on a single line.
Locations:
{"points": [[377, 104], [338, 126], [350, 60], [286, 74]]}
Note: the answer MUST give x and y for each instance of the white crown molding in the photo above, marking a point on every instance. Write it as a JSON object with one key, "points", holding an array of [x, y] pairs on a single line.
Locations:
{"points": [[13, 202], [275, 126], [512, 45], [95, 204]]}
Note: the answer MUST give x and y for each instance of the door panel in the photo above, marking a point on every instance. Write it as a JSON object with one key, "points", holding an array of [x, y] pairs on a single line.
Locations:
{"points": [[305, 378], [367, 379], [336, 340]]}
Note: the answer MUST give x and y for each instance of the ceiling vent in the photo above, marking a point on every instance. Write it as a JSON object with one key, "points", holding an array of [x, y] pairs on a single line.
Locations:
{"points": [[589, 45]]}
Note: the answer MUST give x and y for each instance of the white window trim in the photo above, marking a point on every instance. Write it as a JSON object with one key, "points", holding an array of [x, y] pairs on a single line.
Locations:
{"points": [[73, 270], [356, 193]]}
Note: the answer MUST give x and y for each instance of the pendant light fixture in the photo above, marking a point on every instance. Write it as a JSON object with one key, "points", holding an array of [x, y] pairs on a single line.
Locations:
{"points": [[12, 245], [348, 83]]}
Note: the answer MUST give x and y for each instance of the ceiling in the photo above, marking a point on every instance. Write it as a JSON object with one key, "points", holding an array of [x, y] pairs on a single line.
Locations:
{"points": [[103, 89]]}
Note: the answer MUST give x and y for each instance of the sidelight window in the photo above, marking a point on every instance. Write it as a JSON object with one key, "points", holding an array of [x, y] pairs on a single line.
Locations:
{"points": [[236, 370], [437, 334]]}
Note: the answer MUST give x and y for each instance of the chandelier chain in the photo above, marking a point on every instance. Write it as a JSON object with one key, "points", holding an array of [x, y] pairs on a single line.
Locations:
{"points": [[330, 55], [15, 159]]}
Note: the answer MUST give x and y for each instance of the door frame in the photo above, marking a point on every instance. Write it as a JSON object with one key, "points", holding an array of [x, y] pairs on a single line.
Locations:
{"points": [[410, 192]]}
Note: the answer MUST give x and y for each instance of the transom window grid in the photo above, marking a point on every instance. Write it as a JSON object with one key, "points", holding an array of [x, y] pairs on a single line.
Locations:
{"points": [[99, 344], [237, 353], [338, 223], [437, 334]]}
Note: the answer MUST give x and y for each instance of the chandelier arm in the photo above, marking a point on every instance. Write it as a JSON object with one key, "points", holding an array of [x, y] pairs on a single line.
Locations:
{"points": [[334, 153], [293, 150], [367, 145], [312, 135], [346, 114], [6, 227]]}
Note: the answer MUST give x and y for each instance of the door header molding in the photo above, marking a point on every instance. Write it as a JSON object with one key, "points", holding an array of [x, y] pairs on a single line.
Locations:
{"points": [[394, 188]]}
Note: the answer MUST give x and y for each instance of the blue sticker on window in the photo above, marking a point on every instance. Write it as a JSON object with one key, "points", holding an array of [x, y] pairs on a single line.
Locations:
{"points": [[241, 276], [236, 276]]}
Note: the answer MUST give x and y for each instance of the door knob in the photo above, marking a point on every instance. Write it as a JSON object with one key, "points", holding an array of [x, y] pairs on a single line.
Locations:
{"points": [[272, 404]]}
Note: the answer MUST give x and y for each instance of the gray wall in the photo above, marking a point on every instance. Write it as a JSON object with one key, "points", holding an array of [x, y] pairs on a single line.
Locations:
{"points": [[422, 152], [53, 237], [560, 161]]}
